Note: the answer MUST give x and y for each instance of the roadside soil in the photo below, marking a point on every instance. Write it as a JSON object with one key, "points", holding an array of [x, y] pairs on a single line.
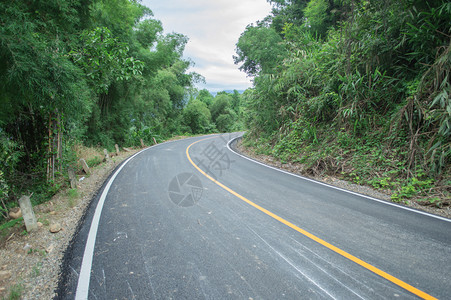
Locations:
{"points": [[300, 169], [30, 262]]}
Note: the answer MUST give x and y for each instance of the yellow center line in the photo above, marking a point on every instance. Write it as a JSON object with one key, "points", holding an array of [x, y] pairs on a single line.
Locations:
{"points": [[358, 261]]}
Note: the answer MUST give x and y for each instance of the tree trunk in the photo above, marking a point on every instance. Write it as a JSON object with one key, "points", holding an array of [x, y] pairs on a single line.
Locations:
{"points": [[55, 150], [50, 164], [59, 143]]}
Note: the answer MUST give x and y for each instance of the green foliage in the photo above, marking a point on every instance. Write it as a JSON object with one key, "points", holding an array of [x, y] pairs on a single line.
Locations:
{"points": [[316, 15], [361, 88], [412, 187], [10, 223], [95, 161], [222, 112], [36, 270], [38, 81], [10, 155], [205, 97], [118, 15], [437, 110], [287, 12], [197, 117], [72, 193], [44, 222], [36, 71], [260, 116], [4, 192], [40, 252], [148, 31], [205, 113], [15, 292], [103, 70], [104, 59], [259, 49]]}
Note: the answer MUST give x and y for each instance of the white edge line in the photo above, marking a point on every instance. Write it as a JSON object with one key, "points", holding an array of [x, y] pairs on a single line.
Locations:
{"points": [[334, 187], [84, 278]]}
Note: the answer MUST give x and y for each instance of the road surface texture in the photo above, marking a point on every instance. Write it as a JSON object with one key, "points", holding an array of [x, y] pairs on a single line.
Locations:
{"points": [[191, 219]]}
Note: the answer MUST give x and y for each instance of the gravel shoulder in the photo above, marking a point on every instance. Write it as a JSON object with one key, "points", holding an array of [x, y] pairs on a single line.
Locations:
{"points": [[30, 262], [298, 169]]}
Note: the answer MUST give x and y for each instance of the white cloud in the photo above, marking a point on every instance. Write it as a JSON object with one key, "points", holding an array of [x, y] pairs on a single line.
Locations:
{"points": [[213, 28]]}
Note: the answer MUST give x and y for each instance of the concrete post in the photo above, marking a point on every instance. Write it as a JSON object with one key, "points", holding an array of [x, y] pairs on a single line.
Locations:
{"points": [[107, 156], [84, 165], [72, 178], [117, 149], [28, 213]]}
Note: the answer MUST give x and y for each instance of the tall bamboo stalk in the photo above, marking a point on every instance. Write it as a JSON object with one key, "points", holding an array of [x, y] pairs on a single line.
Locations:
{"points": [[49, 159]]}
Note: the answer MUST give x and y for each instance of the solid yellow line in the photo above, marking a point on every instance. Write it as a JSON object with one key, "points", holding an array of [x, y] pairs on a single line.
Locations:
{"points": [[358, 261]]}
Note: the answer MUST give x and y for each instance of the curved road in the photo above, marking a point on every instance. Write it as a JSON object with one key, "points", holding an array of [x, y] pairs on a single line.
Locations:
{"points": [[191, 219]]}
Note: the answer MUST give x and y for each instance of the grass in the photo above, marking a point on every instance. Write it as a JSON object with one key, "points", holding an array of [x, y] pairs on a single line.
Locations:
{"points": [[367, 160], [15, 292], [36, 270], [95, 161], [44, 222], [72, 195], [39, 251], [92, 155], [9, 227], [87, 153], [10, 224]]}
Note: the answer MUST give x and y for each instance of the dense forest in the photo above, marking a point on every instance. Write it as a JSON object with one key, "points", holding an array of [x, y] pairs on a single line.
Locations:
{"points": [[92, 72], [359, 89]]}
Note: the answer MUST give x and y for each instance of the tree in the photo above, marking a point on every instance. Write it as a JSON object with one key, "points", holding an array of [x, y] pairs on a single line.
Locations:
{"points": [[287, 11], [374, 71], [236, 102], [260, 50], [222, 113], [316, 17], [148, 31], [105, 60], [205, 96], [197, 117], [39, 83], [95, 71]]}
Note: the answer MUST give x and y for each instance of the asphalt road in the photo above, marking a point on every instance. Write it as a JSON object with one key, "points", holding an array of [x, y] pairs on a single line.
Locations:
{"points": [[191, 219]]}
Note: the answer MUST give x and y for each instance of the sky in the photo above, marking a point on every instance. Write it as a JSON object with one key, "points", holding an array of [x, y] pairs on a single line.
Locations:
{"points": [[213, 28]]}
